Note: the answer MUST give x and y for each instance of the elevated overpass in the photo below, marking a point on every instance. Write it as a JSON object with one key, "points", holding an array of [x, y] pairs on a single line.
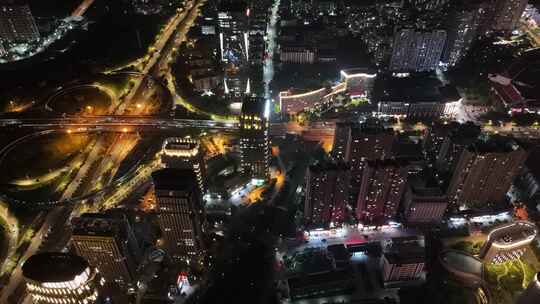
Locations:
{"points": [[113, 122]]}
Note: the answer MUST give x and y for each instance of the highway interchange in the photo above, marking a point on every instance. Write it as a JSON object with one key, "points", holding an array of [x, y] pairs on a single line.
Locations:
{"points": [[57, 218]]}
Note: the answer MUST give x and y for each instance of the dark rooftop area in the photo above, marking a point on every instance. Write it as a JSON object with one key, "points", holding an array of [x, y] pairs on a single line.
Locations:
{"points": [[174, 179], [495, 144], [53, 267], [253, 106]]}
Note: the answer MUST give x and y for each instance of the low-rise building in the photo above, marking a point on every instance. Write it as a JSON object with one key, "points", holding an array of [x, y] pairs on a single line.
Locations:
{"points": [[424, 202], [297, 54], [404, 260]]}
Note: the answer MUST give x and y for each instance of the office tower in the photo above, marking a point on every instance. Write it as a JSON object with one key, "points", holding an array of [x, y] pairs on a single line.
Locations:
{"points": [[254, 145], [185, 153], [107, 242], [326, 194], [532, 293], [485, 171], [404, 260], [461, 28], [508, 242], [506, 14], [383, 184], [233, 29], [258, 15], [357, 144], [415, 50], [180, 212], [55, 277], [17, 23], [424, 201]]}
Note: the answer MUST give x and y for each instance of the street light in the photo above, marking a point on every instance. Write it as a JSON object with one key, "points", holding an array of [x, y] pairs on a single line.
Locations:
{"points": [[124, 130]]}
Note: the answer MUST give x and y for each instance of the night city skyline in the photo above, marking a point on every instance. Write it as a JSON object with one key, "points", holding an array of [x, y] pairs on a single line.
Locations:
{"points": [[270, 151]]}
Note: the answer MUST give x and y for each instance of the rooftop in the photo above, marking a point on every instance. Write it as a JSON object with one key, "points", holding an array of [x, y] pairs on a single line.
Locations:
{"points": [[494, 144], [253, 106], [99, 224], [405, 251], [174, 179], [54, 267], [462, 262], [512, 233]]}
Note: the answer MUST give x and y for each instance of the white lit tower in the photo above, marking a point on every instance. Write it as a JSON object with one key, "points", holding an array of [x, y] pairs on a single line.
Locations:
{"points": [[233, 28], [185, 153]]}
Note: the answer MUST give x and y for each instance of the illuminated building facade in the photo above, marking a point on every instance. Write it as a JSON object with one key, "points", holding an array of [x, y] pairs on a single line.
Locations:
{"points": [[254, 142], [508, 242], [17, 23], [404, 260], [485, 171], [107, 242], [462, 26], [55, 277], [297, 54], [359, 82], [356, 144], [327, 194], [180, 212], [295, 103], [233, 33], [383, 184], [185, 153], [417, 50]]}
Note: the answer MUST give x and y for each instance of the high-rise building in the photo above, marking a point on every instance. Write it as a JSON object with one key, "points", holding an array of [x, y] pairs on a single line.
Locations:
{"points": [[254, 142], [506, 14], [462, 29], [381, 189], [508, 242], [55, 277], [356, 145], [258, 16], [185, 153], [327, 194], [233, 29], [107, 242], [415, 50], [445, 142], [424, 201], [17, 23], [180, 212], [485, 171]]}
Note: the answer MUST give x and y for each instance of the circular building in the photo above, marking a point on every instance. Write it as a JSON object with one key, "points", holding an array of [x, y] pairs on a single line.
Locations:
{"points": [[55, 277], [508, 241], [463, 267]]}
